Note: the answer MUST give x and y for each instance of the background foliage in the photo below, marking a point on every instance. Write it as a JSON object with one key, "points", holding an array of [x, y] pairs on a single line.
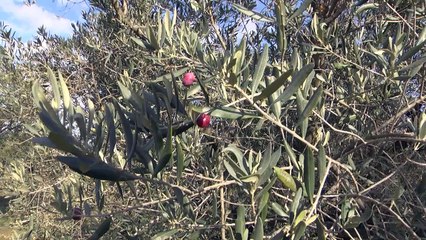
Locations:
{"points": [[318, 126]]}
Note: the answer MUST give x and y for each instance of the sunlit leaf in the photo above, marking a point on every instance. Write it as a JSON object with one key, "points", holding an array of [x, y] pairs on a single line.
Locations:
{"points": [[55, 87], [180, 160], [365, 7], [410, 52], [258, 230], [301, 9], [291, 154], [276, 207], [252, 14], [274, 86], [128, 135], [109, 118], [165, 235], [299, 231], [169, 76], [96, 168], [322, 163], [295, 204], [309, 173], [297, 80], [260, 68], [240, 222], [65, 93], [312, 103], [285, 178]]}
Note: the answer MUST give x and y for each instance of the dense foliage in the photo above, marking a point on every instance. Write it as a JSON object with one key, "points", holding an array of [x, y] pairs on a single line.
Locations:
{"points": [[316, 123]]}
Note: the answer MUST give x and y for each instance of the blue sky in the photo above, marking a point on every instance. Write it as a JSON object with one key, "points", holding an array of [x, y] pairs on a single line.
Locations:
{"points": [[55, 15]]}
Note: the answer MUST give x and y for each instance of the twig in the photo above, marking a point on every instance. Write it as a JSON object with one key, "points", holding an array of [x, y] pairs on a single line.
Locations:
{"points": [[410, 230], [400, 113], [222, 210], [318, 196], [293, 133], [405, 21], [222, 42], [381, 181], [338, 130]]}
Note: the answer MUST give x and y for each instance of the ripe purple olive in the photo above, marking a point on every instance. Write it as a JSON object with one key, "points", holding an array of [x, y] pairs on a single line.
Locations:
{"points": [[188, 79], [203, 121], [77, 213]]}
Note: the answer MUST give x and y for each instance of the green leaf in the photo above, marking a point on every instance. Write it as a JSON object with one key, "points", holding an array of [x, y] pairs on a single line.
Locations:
{"points": [[252, 14], [231, 169], [47, 113], [260, 69], [286, 179], [240, 55], [128, 135], [236, 151], [417, 64], [55, 87], [253, 178], [265, 189], [322, 163], [276, 207], [79, 118], [166, 153], [320, 230], [295, 204], [297, 80], [50, 123], [109, 118], [44, 141], [227, 112], [266, 160], [299, 231], [95, 168], [410, 52], [280, 15], [240, 222], [312, 103], [166, 24], [355, 221], [180, 160], [266, 173], [263, 202], [366, 6], [309, 173], [165, 235], [291, 154], [169, 76], [160, 30], [258, 230], [152, 38], [300, 10], [101, 230], [143, 43], [301, 105], [65, 143], [300, 217], [65, 93], [274, 86], [421, 129], [91, 108]]}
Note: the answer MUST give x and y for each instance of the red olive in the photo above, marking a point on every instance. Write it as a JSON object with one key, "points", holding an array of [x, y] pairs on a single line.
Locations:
{"points": [[203, 120], [188, 79]]}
